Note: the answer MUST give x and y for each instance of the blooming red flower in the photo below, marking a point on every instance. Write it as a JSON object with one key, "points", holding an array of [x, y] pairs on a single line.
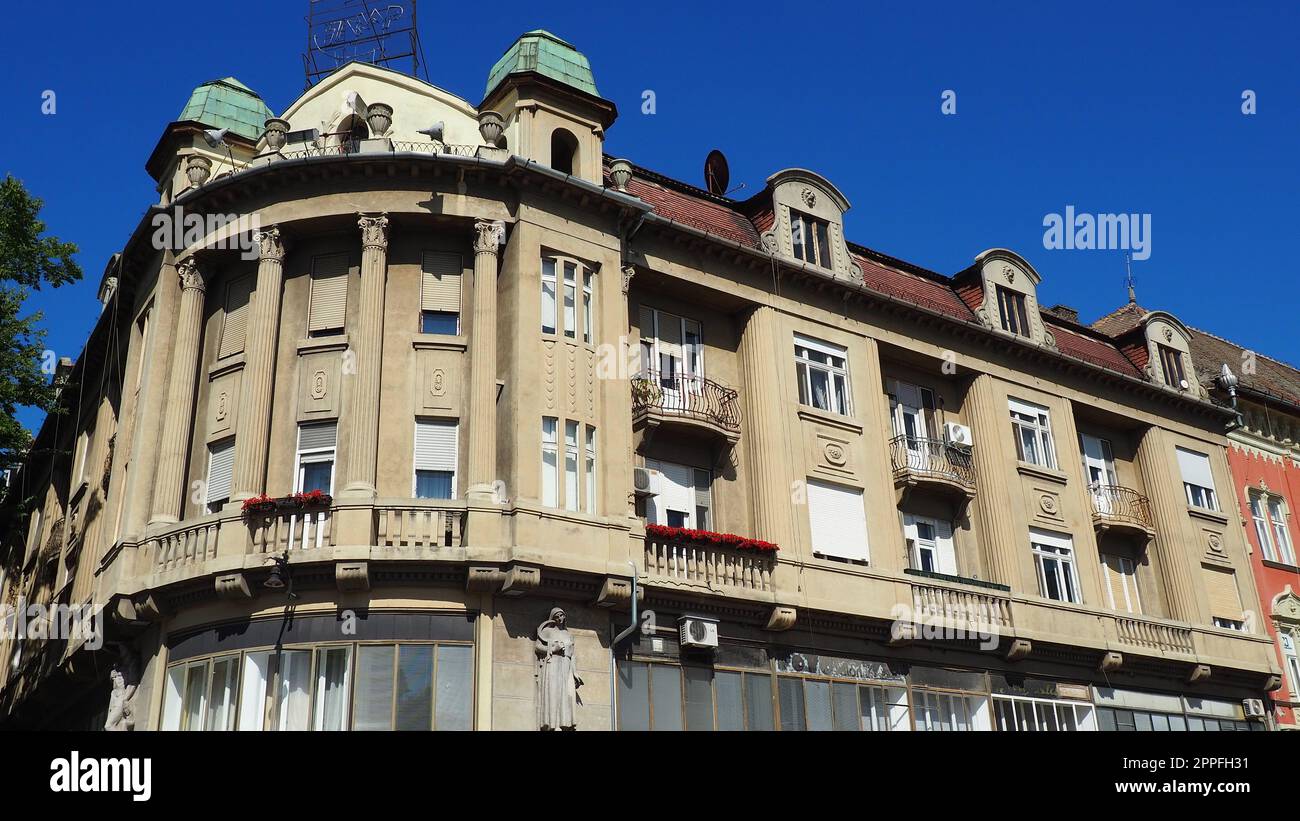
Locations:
{"points": [[686, 534]]}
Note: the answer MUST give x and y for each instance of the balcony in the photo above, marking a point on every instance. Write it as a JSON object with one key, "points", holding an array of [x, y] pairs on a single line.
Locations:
{"points": [[707, 567], [1121, 509], [931, 463], [686, 402]]}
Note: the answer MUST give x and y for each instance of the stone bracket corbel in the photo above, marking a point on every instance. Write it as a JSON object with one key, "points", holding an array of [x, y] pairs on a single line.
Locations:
{"points": [[617, 592], [1199, 673], [352, 577], [1019, 649], [1110, 662], [781, 618], [232, 586], [515, 580], [151, 607]]}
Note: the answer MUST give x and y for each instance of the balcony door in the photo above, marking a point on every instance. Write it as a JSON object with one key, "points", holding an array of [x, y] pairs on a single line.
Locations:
{"points": [[672, 352], [913, 417], [684, 498], [1099, 466]]}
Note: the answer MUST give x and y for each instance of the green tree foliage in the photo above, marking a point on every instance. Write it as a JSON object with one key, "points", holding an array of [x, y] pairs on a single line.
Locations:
{"points": [[28, 259]]}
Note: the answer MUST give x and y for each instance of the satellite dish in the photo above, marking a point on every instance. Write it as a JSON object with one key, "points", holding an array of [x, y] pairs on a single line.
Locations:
{"points": [[716, 173]]}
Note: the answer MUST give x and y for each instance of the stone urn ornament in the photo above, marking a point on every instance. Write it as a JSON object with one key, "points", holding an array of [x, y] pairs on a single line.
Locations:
{"points": [[277, 130], [620, 172], [490, 126], [198, 169], [557, 674], [379, 116]]}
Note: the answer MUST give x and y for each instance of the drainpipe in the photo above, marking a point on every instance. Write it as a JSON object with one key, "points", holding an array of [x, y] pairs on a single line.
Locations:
{"points": [[613, 648]]}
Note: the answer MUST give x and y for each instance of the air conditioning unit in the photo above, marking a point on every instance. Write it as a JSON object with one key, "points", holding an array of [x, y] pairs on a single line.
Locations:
{"points": [[695, 631], [955, 434], [1254, 708], [646, 482]]}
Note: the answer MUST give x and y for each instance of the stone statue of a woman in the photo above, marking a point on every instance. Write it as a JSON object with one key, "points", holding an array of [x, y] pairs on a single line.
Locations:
{"points": [[120, 715], [557, 675]]}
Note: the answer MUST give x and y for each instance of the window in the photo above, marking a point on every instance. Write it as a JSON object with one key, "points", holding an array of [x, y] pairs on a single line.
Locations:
{"points": [[1171, 365], [221, 463], [564, 151], [1197, 479], [143, 355], [672, 351], [1290, 659], [1109, 718], [811, 239], [1225, 601], [936, 711], [1018, 714], [435, 458], [440, 287], [1121, 582], [823, 374], [1054, 561], [402, 686], [1033, 431], [1262, 530], [550, 463], [82, 448], [572, 277], [929, 544], [685, 498], [570, 465], [838, 521], [235, 327], [328, 301], [589, 468], [816, 704], [1281, 536], [1011, 308], [688, 697], [316, 457], [912, 411]]}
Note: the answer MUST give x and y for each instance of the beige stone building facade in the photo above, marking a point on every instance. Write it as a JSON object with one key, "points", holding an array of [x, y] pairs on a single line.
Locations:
{"points": [[848, 492]]}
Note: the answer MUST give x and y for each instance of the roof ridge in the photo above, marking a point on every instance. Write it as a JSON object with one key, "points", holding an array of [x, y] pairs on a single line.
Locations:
{"points": [[1241, 347]]}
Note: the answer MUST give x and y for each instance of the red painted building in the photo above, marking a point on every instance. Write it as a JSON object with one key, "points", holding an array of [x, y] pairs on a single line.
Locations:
{"points": [[1265, 463]]}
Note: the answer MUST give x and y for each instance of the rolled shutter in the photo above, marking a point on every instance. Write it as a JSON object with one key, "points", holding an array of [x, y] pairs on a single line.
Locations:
{"points": [[235, 328], [440, 282], [435, 445], [1221, 589], [317, 436], [838, 521], [329, 292], [1115, 580], [1195, 468], [221, 463], [943, 542]]}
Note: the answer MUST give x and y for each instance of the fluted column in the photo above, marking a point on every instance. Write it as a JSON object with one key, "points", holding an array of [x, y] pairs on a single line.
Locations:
{"points": [[1164, 487], [169, 481], [766, 445], [369, 346], [991, 421], [248, 478], [482, 466]]}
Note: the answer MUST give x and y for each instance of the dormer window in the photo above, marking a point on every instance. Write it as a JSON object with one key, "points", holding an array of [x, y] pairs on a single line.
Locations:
{"points": [[1171, 364], [811, 239], [1011, 307]]}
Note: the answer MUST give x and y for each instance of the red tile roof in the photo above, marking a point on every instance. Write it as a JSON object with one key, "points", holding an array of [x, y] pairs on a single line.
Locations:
{"points": [[1121, 320], [911, 288], [1090, 349], [1271, 377]]}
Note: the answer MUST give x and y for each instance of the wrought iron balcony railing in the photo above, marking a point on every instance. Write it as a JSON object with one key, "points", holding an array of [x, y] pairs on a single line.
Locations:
{"points": [[1115, 503], [934, 458], [686, 396]]}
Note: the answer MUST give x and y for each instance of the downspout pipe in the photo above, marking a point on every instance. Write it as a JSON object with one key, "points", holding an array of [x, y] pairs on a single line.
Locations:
{"points": [[613, 648]]}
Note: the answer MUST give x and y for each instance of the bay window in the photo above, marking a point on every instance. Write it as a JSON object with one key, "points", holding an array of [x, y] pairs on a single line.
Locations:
{"points": [[550, 463], [566, 282]]}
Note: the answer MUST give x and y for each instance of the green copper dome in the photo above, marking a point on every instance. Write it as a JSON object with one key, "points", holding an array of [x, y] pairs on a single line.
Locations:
{"points": [[546, 54], [228, 103]]}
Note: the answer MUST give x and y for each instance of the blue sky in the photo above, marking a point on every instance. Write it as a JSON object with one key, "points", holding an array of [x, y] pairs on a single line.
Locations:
{"points": [[1109, 107]]}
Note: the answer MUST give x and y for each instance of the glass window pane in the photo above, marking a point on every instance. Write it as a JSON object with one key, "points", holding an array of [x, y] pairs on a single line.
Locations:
{"points": [[221, 699], [171, 717], [439, 322], [790, 691], [845, 697], [820, 390], [1143, 721], [548, 296], [666, 695], [373, 708], [414, 687], [1105, 718], [455, 701], [316, 476], [332, 688], [818, 694], [252, 693], [730, 704], [699, 697], [570, 299], [196, 683], [295, 687], [633, 696], [758, 702]]}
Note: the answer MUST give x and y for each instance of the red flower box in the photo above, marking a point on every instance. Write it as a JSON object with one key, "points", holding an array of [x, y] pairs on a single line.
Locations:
{"points": [[708, 537]]}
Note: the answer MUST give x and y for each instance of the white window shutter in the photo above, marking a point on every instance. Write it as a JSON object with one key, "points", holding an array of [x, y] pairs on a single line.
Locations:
{"points": [[235, 327], [440, 282], [329, 292], [221, 463], [838, 521], [435, 445], [1195, 468]]}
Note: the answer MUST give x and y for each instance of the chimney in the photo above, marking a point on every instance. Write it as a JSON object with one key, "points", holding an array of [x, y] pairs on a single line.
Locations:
{"points": [[1064, 312]]}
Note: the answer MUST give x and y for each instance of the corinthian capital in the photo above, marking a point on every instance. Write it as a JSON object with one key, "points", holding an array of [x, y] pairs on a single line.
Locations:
{"points": [[269, 244], [374, 231], [489, 235], [187, 270]]}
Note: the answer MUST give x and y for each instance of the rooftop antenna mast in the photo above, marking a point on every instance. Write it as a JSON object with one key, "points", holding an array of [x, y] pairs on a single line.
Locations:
{"points": [[365, 31], [1128, 277]]}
